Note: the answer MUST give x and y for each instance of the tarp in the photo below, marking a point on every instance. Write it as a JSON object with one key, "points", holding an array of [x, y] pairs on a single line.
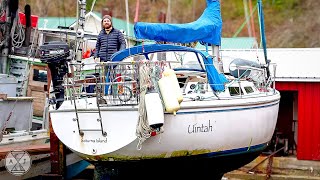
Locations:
{"points": [[207, 29]]}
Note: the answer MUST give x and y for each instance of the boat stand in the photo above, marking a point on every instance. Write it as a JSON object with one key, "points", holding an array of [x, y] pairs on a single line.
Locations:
{"points": [[57, 157]]}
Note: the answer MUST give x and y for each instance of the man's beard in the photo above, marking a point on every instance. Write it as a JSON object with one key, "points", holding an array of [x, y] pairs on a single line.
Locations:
{"points": [[107, 26]]}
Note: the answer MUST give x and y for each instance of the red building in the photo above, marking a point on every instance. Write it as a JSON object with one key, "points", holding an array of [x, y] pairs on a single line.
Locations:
{"points": [[300, 106]]}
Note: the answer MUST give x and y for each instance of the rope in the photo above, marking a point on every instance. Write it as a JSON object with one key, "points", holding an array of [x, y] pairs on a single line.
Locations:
{"points": [[143, 130], [155, 77], [17, 33]]}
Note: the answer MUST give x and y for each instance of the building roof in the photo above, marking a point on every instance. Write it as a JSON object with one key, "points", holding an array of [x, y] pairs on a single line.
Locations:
{"points": [[234, 43], [55, 22]]}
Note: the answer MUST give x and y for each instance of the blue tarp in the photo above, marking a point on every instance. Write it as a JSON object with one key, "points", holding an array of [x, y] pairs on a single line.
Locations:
{"points": [[207, 29]]}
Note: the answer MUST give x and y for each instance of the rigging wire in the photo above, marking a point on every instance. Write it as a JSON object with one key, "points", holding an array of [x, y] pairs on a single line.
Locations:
{"points": [[127, 18], [245, 6], [244, 23], [93, 3], [136, 17], [252, 20]]}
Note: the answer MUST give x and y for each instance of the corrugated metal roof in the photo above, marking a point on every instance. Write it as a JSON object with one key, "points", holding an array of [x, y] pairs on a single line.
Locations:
{"points": [[55, 22], [234, 43], [227, 43]]}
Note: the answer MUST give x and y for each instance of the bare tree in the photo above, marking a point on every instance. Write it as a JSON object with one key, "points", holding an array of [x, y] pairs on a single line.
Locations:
{"points": [[43, 6]]}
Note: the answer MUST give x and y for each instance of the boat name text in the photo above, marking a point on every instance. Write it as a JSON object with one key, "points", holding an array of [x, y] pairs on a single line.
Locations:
{"points": [[94, 140], [200, 128]]}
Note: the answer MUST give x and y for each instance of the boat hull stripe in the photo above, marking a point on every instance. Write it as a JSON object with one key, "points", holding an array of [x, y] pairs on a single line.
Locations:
{"points": [[243, 150]]}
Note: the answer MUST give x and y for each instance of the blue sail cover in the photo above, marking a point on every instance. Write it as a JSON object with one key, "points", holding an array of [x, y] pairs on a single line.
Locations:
{"points": [[206, 29]]}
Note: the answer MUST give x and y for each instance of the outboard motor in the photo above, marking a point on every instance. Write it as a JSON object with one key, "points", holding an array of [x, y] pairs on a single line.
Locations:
{"points": [[56, 55]]}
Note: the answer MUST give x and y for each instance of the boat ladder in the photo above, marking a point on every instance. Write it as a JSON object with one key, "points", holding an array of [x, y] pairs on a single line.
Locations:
{"points": [[97, 94]]}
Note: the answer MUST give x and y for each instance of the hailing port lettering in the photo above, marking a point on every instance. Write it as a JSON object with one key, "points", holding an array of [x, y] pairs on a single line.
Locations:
{"points": [[195, 128], [94, 140]]}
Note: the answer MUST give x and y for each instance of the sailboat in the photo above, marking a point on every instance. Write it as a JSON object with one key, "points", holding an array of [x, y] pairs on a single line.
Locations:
{"points": [[164, 106]]}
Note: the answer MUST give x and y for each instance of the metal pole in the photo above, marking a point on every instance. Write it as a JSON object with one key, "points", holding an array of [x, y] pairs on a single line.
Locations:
{"points": [[127, 18], [80, 30], [216, 59], [5, 49]]}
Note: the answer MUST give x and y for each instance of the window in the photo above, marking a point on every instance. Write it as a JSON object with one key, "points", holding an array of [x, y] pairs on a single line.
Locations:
{"points": [[39, 75], [248, 89], [234, 91]]}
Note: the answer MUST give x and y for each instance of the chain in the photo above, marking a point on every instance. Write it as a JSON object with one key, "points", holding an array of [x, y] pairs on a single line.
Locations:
{"points": [[3, 131]]}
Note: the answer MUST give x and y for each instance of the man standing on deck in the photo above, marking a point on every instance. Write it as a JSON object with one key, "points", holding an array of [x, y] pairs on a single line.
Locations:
{"points": [[110, 40]]}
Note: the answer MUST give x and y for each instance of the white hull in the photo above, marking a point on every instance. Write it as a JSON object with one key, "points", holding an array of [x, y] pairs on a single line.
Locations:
{"points": [[200, 127]]}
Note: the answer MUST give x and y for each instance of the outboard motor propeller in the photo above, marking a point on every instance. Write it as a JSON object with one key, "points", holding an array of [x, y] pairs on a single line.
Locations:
{"points": [[56, 55]]}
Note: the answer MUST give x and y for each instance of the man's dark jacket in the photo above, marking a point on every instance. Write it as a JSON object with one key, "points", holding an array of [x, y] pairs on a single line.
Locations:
{"points": [[108, 44]]}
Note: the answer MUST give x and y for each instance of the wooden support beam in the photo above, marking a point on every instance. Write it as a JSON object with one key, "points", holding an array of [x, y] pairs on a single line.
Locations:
{"points": [[57, 154], [31, 149]]}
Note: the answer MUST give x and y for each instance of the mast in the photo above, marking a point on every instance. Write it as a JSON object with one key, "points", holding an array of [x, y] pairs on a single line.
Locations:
{"points": [[80, 29], [263, 36], [216, 56]]}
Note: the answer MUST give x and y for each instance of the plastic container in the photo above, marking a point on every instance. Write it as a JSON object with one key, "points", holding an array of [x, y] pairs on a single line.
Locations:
{"points": [[154, 108], [174, 83], [34, 20], [169, 95]]}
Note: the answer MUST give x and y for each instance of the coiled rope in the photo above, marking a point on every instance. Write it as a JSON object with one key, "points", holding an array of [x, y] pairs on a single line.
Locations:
{"points": [[17, 33], [143, 130]]}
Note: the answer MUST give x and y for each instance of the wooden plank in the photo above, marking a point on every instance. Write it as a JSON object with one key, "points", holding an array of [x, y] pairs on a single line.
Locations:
{"points": [[39, 87], [39, 102], [20, 98], [31, 149]]}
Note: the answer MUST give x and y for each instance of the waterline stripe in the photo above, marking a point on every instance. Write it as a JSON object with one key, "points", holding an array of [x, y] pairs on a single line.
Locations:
{"points": [[238, 151]]}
